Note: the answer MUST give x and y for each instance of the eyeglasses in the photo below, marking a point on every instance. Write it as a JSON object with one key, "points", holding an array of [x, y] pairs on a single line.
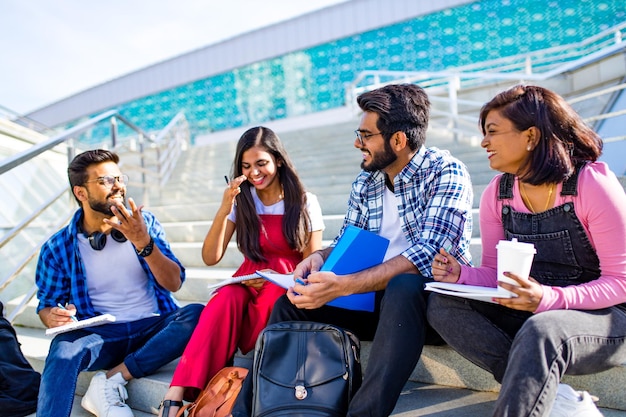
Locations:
{"points": [[360, 136], [109, 180]]}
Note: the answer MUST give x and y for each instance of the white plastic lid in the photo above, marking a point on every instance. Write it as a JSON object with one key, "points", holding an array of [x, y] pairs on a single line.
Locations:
{"points": [[518, 246]]}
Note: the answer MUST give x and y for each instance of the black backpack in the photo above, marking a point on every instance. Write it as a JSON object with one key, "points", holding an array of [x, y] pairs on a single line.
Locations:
{"points": [[19, 382], [305, 369]]}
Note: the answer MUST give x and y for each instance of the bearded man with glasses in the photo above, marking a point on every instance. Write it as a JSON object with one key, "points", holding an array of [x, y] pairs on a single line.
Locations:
{"points": [[420, 199], [115, 260]]}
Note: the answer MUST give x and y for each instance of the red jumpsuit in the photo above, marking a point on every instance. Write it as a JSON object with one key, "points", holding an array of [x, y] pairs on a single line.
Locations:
{"points": [[236, 314]]}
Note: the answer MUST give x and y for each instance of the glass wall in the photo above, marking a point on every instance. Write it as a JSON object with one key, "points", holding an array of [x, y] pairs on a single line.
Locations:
{"points": [[315, 79]]}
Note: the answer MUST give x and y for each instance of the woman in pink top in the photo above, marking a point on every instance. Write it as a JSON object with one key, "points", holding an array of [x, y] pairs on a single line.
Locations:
{"points": [[570, 316]]}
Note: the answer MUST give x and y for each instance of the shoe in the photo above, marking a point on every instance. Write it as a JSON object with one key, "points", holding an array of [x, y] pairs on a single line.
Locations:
{"points": [[105, 397], [571, 403]]}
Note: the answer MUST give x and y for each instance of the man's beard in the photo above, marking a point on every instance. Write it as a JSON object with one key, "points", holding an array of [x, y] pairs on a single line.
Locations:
{"points": [[104, 207], [380, 160]]}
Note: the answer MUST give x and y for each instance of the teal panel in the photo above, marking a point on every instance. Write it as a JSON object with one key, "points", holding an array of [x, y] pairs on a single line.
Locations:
{"points": [[314, 79]]}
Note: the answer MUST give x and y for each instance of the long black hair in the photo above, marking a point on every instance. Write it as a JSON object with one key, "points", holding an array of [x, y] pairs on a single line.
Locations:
{"points": [[296, 218]]}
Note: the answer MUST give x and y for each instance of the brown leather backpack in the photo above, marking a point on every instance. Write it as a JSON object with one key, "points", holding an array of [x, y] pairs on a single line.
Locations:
{"points": [[218, 397]]}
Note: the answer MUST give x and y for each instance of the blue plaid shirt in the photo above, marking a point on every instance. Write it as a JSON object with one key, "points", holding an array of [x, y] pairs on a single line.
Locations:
{"points": [[435, 194], [60, 273]]}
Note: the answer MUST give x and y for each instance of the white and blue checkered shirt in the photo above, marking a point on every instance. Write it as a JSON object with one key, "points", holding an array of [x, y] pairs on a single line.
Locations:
{"points": [[435, 209]]}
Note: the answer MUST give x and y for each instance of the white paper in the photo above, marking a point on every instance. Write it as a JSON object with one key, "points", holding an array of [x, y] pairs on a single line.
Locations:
{"points": [[94, 321], [232, 280], [282, 280], [473, 292]]}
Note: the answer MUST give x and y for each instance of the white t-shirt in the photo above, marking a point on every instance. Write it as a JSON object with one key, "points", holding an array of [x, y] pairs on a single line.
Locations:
{"points": [[312, 205], [116, 282], [391, 226]]}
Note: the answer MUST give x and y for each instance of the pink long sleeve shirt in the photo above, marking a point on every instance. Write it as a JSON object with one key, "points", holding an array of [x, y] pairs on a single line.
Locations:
{"points": [[601, 208]]}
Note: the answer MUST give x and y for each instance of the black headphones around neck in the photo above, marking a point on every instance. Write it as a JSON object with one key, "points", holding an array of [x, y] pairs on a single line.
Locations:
{"points": [[98, 240]]}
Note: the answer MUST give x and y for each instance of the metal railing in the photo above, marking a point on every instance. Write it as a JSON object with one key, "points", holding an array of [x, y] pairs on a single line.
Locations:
{"points": [[14, 117], [537, 65], [152, 157], [444, 87]]}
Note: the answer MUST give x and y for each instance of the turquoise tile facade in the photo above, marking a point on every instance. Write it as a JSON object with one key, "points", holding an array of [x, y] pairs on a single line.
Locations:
{"points": [[314, 79]]}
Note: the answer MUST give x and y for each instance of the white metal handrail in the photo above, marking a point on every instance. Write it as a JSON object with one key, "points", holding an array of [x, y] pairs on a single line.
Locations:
{"points": [[444, 86]]}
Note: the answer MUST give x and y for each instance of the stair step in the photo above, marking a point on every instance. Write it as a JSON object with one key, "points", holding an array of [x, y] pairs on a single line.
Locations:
{"points": [[196, 230], [443, 384], [78, 411], [189, 253]]}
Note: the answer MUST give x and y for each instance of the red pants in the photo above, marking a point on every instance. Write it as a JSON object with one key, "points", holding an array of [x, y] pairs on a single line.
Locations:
{"points": [[232, 319]]}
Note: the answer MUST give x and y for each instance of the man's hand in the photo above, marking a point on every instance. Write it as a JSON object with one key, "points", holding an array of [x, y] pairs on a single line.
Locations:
{"points": [[319, 289], [132, 224], [56, 316], [313, 263]]}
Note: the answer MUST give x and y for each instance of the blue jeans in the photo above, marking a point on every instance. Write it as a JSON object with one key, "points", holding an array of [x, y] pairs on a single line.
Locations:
{"points": [[143, 345], [529, 353], [398, 331]]}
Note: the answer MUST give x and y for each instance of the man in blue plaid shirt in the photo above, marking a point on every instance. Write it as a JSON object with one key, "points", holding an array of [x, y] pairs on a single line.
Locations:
{"points": [[421, 200], [108, 260]]}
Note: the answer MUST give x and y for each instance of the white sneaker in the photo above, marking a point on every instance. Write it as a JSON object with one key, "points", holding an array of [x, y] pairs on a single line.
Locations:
{"points": [[571, 403], [105, 397]]}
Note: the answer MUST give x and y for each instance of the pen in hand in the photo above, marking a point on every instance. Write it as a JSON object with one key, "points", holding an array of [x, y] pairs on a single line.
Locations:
{"points": [[299, 281], [226, 178], [460, 255], [62, 307]]}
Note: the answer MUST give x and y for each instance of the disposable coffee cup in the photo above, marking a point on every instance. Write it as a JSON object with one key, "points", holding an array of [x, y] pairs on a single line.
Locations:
{"points": [[515, 257]]}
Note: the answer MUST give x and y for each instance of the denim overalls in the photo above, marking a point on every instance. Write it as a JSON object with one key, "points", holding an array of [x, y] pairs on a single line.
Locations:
{"points": [[564, 253], [529, 353]]}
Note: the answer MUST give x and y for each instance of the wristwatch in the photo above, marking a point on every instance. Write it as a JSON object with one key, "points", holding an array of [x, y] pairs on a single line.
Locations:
{"points": [[147, 250]]}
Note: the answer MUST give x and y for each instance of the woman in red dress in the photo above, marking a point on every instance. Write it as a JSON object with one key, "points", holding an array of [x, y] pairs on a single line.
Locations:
{"points": [[277, 224]]}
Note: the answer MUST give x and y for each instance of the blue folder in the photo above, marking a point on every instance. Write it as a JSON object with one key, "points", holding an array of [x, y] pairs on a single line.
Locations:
{"points": [[356, 250]]}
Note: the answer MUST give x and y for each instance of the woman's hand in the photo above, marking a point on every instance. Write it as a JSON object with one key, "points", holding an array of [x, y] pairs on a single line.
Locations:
{"points": [[445, 268], [232, 190], [529, 293], [258, 282], [254, 283]]}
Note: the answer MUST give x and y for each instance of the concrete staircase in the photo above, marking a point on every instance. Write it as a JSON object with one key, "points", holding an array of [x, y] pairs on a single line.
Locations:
{"points": [[443, 384]]}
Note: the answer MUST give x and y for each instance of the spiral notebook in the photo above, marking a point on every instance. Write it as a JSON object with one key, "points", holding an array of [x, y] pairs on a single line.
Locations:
{"points": [[232, 280], [91, 322], [356, 250], [473, 292]]}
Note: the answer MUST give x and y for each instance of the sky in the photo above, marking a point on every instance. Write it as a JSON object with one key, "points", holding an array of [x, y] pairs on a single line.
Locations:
{"points": [[52, 49]]}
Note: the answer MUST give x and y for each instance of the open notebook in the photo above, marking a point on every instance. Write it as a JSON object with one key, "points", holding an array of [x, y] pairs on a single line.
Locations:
{"points": [[473, 292], [91, 322], [232, 280], [363, 301]]}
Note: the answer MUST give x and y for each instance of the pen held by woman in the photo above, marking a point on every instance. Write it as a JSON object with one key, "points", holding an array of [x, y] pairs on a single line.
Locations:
{"points": [[445, 268]]}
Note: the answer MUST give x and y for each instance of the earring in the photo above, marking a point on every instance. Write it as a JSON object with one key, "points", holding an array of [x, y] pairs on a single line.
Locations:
{"points": [[528, 148]]}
